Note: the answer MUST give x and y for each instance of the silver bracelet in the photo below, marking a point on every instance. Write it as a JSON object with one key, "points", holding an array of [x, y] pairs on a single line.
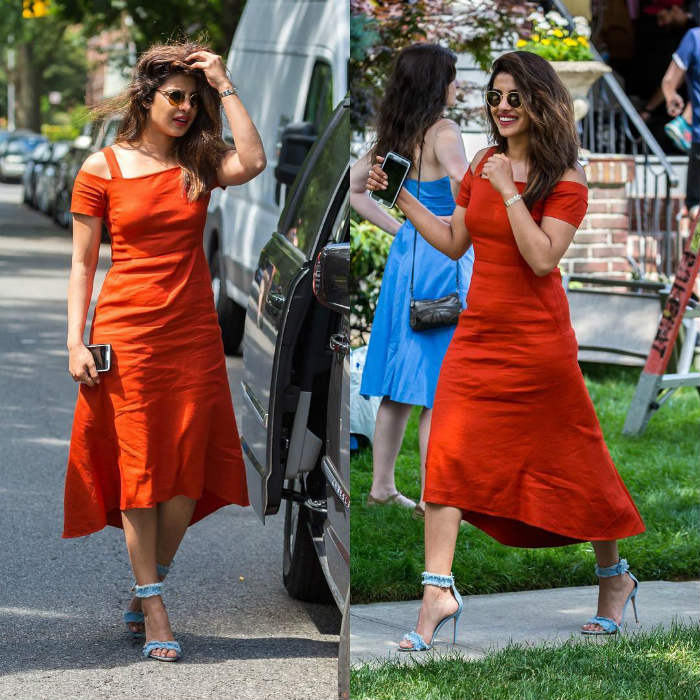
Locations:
{"points": [[227, 92], [513, 199]]}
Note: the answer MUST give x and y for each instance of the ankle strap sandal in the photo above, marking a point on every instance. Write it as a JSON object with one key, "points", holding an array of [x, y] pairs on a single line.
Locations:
{"points": [[148, 591], [136, 616], [607, 624], [441, 581]]}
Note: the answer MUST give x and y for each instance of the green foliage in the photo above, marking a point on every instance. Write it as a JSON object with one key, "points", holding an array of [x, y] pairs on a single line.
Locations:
{"points": [[380, 28], [50, 55], [558, 51], [642, 666], [660, 469], [59, 132], [156, 21], [369, 248]]}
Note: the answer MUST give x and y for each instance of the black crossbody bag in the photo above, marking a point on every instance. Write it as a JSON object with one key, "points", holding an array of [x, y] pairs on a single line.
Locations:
{"points": [[425, 314]]}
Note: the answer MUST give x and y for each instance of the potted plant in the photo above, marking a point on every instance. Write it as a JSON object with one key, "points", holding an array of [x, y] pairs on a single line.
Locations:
{"points": [[568, 50]]}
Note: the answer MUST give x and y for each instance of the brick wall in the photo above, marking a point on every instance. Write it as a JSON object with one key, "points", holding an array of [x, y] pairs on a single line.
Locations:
{"points": [[601, 242]]}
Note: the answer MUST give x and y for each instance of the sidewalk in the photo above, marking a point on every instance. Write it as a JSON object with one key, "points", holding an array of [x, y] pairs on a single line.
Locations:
{"points": [[492, 621]]}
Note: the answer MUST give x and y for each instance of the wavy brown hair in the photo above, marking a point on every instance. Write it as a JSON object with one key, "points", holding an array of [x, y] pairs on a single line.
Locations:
{"points": [[414, 97], [553, 137], [200, 150]]}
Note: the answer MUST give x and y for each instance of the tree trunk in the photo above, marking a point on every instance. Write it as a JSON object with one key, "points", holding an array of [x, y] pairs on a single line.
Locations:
{"points": [[28, 87]]}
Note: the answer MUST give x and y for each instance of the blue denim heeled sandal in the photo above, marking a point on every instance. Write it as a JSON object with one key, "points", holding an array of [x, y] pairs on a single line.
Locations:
{"points": [[419, 644], [135, 616], [609, 626], [148, 591]]}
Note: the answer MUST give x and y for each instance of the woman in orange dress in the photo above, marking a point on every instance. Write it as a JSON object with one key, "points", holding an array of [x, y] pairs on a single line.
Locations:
{"points": [[154, 445], [515, 446]]}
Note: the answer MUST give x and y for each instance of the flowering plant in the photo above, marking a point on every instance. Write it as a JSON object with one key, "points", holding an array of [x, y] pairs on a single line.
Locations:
{"points": [[552, 39]]}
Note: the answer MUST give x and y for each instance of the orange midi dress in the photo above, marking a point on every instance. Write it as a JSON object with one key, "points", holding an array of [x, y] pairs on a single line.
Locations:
{"points": [[514, 440], [160, 423]]}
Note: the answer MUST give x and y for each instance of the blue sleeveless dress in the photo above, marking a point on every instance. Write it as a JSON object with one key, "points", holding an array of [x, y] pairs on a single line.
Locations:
{"points": [[401, 363]]}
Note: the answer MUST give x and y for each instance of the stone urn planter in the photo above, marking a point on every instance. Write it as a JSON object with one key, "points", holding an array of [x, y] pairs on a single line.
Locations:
{"points": [[579, 77]]}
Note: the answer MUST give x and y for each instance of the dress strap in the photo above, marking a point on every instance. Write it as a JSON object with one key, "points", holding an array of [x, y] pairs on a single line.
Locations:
{"points": [[111, 159]]}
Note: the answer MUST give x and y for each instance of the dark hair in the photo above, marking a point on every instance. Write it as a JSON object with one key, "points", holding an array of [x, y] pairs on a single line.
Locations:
{"points": [[199, 151], [414, 97], [553, 137]]}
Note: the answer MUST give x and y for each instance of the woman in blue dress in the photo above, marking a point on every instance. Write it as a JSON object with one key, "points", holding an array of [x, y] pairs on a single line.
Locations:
{"points": [[402, 365]]}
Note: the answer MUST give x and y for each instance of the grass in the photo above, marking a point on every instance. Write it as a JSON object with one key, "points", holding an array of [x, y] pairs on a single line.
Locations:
{"points": [[660, 468], [658, 665]]}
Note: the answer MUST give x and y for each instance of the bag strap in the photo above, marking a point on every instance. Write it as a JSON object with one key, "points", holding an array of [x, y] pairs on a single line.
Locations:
{"points": [[111, 159], [415, 230]]}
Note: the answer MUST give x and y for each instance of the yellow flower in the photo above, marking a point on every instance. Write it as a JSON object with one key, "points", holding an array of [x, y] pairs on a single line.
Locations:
{"points": [[558, 33], [583, 41], [535, 38], [520, 43], [570, 42], [546, 42]]}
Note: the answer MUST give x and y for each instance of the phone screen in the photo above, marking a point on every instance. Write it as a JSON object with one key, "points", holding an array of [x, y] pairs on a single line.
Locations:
{"points": [[396, 171], [101, 355]]}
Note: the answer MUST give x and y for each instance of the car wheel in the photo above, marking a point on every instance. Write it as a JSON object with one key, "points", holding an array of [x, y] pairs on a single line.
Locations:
{"points": [[231, 316], [302, 573]]}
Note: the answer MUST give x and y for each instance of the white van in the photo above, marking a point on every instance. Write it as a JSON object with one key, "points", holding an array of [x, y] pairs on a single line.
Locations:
{"points": [[289, 61]]}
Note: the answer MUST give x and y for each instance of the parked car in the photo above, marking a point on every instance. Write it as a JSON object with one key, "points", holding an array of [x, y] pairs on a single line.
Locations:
{"points": [[309, 70], [295, 416], [66, 172], [14, 154], [95, 136], [35, 162], [47, 178]]}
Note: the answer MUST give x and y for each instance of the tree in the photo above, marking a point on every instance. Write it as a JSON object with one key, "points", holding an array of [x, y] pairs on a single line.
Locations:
{"points": [[380, 28], [157, 21], [50, 52], [42, 42]]}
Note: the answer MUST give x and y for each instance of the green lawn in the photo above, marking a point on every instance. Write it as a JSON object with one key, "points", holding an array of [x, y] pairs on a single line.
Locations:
{"points": [[660, 665], [661, 469]]}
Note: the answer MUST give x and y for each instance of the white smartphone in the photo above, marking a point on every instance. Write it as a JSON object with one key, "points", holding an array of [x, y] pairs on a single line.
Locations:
{"points": [[102, 355], [396, 167]]}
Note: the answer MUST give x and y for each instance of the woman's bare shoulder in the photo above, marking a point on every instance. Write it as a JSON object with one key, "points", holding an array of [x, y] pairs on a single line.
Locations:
{"points": [[96, 164], [477, 158], [442, 128], [575, 174], [444, 123]]}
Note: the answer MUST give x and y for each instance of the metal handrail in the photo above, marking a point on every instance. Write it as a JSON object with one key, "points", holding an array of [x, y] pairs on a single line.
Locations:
{"points": [[624, 102]]}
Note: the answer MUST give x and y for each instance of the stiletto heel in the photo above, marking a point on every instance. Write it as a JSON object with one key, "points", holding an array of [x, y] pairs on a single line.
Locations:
{"points": [[131, 616], [419, 644], [634, 606], [609, 626], [148, 591]]}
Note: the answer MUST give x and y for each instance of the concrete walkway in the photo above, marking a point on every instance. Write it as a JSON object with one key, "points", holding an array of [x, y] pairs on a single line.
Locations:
{"points": [[492, 621]]}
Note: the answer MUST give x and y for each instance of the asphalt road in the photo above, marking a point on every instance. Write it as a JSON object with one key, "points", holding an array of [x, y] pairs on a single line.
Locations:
{"points": [[61, 601]]}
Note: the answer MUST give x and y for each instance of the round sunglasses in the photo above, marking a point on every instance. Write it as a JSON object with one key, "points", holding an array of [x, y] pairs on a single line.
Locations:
{"points": [[494, 97], [178, 97]]}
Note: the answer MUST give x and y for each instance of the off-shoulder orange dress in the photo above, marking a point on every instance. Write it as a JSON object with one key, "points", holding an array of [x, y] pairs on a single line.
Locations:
{"points": [[160, 423], [514, 440]]}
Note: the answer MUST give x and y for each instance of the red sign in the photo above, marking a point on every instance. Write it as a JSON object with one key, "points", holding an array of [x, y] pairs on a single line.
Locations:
{"points": [[673, 312]]}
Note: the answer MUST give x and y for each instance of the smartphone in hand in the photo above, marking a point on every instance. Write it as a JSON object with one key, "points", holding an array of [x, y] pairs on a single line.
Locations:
{"points": [[396, 167], [102, 355]]}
